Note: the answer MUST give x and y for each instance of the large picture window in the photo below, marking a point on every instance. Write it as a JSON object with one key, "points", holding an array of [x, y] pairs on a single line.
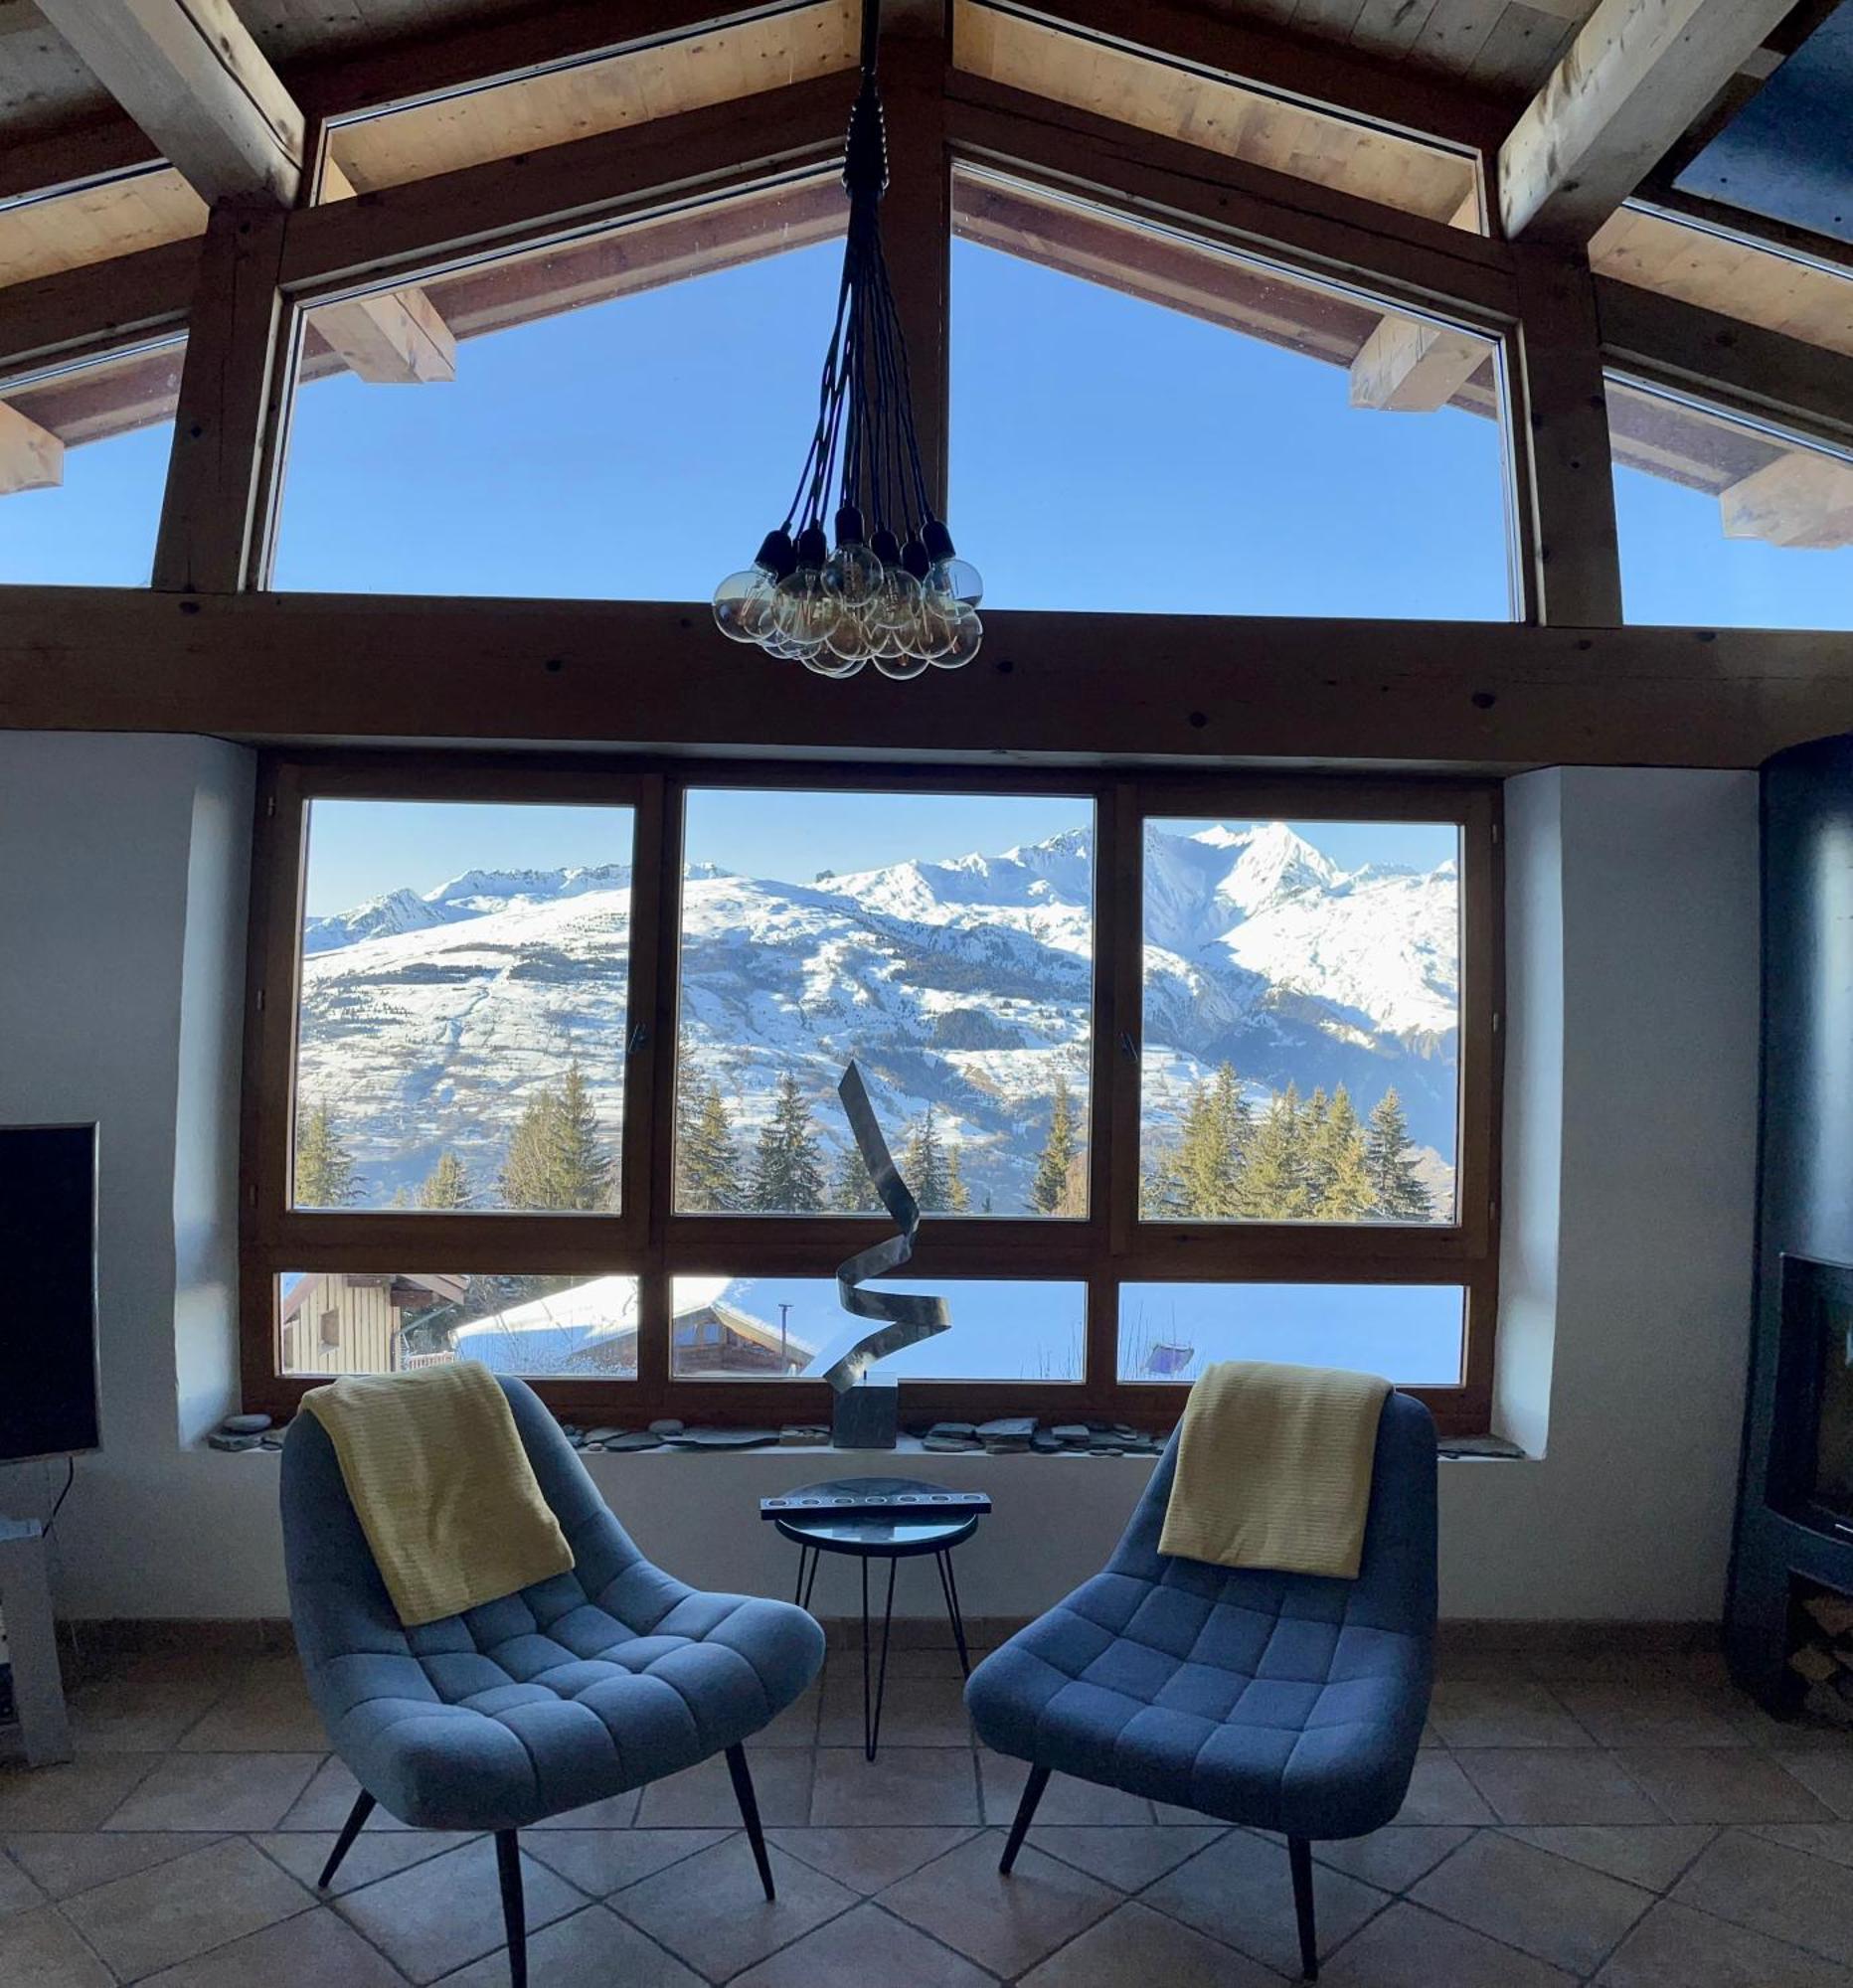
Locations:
{"points": [[1181, 1069]]}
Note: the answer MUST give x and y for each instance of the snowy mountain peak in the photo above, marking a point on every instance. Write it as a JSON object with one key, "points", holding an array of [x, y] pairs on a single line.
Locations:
{"points": [[477, 890], [380, 917]]}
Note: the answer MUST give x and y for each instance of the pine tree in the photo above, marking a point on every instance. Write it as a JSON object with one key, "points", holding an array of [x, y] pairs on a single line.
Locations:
{"points": [[1161, 1188], [707, 1160], [555, 1158], [957, 1193], [1212, 1145], [1272, 1184], [447, 1185], [851, 1189], [1396, 1189], [1048, 1191], [787, 1163], [922, 1163], [325, 1176], [1338, 1177]]}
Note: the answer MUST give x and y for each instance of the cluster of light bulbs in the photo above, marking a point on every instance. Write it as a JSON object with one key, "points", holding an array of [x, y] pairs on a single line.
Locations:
{"points": [[904, 608]]}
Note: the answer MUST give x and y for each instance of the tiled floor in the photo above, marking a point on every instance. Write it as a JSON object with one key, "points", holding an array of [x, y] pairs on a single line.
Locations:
{"points": [[1631, 1823]]}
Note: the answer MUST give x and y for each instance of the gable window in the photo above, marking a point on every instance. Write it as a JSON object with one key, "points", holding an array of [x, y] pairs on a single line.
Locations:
{"points": [[1180, 1068]]}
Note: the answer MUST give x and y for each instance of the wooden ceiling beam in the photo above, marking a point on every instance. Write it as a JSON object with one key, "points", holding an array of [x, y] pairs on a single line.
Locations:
{"points": [[393, 338], [1802, 498], [1099, 687], [31, 457], [1638, 73], [1413, 365], [1310, 69], [192, 77]]}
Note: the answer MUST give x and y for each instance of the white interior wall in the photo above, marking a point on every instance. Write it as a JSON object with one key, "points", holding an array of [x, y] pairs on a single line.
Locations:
{"points": [[1630, 1138]]}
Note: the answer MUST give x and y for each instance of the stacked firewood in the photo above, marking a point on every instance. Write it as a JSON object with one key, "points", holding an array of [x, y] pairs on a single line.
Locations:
{"points": [[1826, 1659]]}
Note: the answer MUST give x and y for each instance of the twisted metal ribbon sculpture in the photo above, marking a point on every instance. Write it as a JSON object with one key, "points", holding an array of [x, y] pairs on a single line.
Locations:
{"points": [[897, 1319]]}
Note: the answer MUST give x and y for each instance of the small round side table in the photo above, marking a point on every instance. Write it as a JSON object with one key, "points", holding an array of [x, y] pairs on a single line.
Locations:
{"points": [[892, 1540]]}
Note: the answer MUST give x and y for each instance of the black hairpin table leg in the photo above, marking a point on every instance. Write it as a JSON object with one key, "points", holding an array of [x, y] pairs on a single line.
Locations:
{"points": [[948, 1583]]}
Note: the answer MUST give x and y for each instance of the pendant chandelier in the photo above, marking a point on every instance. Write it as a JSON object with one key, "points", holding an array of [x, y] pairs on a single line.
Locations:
{"points": [[891, 590]]}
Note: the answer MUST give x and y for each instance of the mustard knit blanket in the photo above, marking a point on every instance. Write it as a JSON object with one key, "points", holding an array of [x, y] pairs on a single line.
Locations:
{"points": [[442, 1487], [1273, 1468]]}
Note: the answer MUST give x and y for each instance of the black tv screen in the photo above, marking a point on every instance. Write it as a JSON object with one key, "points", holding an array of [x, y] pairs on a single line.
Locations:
{"points": [[48, 1291]]}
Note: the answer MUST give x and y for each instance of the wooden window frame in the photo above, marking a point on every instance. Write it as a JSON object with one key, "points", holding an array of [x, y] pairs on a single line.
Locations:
{"points": [[648, 1238]]}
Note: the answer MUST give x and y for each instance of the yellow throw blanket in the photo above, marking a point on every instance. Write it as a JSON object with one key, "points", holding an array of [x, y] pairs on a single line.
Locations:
{"points": [[1273, 1468], [443, 1490]]}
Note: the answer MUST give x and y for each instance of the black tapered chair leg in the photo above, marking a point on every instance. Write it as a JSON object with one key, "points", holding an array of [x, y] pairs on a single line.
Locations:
{"points": [[1300, 1857], [514, 1913], [1026, 1814], [356, 1822], [750, 1814]]}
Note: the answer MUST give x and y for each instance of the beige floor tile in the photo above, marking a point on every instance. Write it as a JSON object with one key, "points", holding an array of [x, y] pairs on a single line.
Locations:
{"points": [[1717, 1784], [266, 1711], [18, 1892], [1785, 1893], [1832, 1840], [447, 1910], [129, 1716], [1471, 1714], [1391, 1858], [1004, 1923], [371, 1857], [1066, 1800], [710, 1912], [903, 1785], [701, 1797], [316, 1949], [1128, 1856], [915, 1712], [216, 1791], [1440, 1793], [1661, 1714], [868, 1860], [599, 1861], [41, 1949], [175, 1910], [326, 1801], [75, 1796], [592, 1949], [1674, 1947], [1136, 1948], [1563, 1912], [1240, 1890], [1825, 1773], [1405, 1947], [1558, 1784], [864, 1946], [1649, 1854], [65, 1862]]}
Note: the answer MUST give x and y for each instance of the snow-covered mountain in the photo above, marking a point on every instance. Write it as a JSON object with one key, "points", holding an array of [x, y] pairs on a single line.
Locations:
{"points": [[429, 1019]]}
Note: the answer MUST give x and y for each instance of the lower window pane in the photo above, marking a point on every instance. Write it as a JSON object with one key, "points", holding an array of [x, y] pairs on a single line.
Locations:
{"points": [[1412, 1334], [389, 1322], [748, 1328]]}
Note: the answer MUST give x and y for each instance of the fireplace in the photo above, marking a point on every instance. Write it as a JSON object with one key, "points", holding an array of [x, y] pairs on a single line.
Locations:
{"points": [[1811, 1454]]}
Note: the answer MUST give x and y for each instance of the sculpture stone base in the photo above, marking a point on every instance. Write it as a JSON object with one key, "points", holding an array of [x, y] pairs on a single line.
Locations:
{"points": [[866, 1417]]}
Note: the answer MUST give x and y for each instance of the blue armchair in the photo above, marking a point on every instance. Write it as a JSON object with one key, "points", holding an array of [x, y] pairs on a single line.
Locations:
{"points": [[1282, 1700], [587, 1685]]}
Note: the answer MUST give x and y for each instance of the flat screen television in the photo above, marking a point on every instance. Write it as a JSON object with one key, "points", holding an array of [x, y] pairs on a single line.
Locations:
{"points": [[48, 1291]]}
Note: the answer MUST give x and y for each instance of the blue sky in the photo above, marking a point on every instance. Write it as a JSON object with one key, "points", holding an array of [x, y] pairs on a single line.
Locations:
{"points": [[1106, 453], [363, 848]]}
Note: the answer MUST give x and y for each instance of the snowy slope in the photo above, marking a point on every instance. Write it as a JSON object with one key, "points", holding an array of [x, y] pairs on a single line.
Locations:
{"points": [[429, 1019]]}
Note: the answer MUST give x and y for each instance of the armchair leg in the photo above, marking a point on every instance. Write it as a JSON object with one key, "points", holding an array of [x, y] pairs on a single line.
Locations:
{"points": [[514, 1912], [750, 1814], [356, 1822], [1026, 1814], [1300, 1857]]}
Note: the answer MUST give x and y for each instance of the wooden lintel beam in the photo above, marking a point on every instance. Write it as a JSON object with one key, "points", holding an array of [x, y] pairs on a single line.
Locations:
{"points": [[1638, 73], [1096, 688], [31, 457], [396, 338], [1802, 498], [189, 75]]}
